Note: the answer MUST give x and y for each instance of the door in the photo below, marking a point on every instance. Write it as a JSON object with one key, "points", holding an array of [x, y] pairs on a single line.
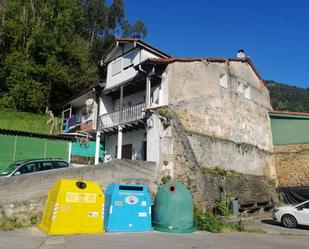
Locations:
{"points": [[303, 214], [144, 150], [126, 151]]}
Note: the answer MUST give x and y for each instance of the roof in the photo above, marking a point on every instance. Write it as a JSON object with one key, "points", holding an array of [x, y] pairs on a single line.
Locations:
{"points": [[171, 60], [289, 113], [175, 59], [137, 41], [36, 135]]}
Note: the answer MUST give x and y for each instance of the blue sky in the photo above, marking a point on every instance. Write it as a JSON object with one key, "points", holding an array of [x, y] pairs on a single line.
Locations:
{"points": [[275, 34]]}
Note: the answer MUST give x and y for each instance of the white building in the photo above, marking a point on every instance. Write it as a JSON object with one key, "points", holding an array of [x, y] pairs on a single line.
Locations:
{"points": [[222, 104], [128, 93]]}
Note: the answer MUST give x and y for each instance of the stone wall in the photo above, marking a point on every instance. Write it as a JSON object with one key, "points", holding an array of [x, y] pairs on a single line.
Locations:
{"points": [[292, 165], [225, 129], [181, 161], [24, 196], [212, 152]]}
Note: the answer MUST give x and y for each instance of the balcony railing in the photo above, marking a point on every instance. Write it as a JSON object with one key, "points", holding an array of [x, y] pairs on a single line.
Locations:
{"points": [[126, 115]]}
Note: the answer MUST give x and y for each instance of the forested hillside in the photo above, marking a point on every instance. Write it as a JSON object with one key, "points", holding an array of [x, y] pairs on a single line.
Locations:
{"points": [[288, 98], [50, 49]]}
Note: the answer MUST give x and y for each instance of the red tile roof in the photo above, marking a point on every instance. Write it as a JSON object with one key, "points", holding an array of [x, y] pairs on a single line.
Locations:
{"points": [[171, 60], [289, 113], [126, 39]]}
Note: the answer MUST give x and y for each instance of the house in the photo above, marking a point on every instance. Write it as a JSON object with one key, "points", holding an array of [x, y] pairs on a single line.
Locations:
{"points": [[221, 106]]}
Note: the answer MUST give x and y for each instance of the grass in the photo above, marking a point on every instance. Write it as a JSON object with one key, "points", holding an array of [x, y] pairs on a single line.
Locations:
{"points": [[215, 224], [10, 224], [22, 121], [220, 171]]}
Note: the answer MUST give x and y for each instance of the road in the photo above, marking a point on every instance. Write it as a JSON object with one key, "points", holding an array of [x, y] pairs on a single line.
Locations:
{"points": [[33, 239]]}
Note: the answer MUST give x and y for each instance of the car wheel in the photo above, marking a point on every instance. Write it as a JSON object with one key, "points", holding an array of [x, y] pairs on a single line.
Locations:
{"points": [[289, 221]]}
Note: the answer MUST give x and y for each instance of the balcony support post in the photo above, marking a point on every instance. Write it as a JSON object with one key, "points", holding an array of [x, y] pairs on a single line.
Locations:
{"points": [[119, 144], [97, 148], [148, 88]]}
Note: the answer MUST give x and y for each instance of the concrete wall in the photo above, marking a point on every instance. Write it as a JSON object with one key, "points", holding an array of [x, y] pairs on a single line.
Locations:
{"points": [[292, 166], [133, 137], [35, 186], [154, 131], [206, 108]]}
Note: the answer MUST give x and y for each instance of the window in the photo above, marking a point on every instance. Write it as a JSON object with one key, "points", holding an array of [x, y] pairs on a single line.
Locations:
{"points": [[60, 164], [223, 80], [45, 166], [305, 205], [247, 92], [27, 168], [116, 67], [128, 60]]}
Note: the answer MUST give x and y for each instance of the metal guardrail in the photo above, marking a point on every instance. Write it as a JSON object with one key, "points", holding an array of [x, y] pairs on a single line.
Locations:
{"points": [[126, 115]]}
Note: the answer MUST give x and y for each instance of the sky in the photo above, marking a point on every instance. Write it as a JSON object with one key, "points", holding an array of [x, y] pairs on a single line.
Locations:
{"points": [[274, 34]]}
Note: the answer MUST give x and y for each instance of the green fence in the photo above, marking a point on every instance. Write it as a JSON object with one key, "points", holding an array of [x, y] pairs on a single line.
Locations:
{"points": [[14, 148], [289, 129], [86, 149]]}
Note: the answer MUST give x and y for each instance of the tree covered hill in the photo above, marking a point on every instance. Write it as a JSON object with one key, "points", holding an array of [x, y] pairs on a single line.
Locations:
{"points": [[50, 50], [288, 98]]}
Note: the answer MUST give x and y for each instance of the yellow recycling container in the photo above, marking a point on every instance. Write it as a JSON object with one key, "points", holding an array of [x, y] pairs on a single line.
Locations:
{"points": [[73, 207]]}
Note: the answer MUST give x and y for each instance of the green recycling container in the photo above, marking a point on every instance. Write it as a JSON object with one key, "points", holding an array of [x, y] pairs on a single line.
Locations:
{"points": [[173, 209]]}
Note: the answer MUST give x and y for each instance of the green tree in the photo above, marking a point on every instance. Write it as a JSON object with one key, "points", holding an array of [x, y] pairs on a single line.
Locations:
{"points": [[50, 49]]}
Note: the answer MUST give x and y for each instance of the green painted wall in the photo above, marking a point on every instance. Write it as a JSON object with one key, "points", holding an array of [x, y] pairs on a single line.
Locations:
{"points": [[86, 149], [14, 148], [289, 129]]}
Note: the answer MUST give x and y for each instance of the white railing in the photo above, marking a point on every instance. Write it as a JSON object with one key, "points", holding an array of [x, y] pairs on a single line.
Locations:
{"points": [[126, 115]]}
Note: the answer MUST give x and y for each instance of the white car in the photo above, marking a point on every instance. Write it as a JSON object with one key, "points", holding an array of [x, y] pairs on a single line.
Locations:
{"points": [[293, 215]]}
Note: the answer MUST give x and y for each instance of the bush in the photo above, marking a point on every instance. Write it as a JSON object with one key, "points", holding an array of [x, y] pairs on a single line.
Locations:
{"points": [[164, 112], [238, 226], [223, 208], [208, 222]]}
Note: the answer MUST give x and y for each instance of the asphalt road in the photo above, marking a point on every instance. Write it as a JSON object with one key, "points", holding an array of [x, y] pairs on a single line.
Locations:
{"points": [[33, 239]]}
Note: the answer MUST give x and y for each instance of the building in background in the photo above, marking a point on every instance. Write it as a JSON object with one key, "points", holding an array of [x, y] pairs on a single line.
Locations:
{"points": [[291, 153]]}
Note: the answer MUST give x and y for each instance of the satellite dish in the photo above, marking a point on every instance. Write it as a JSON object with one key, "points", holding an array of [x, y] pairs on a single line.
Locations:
{"points": [[89, 102]]}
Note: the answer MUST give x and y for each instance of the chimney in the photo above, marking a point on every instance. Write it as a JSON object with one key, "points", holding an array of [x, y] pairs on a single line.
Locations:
{"points": [[241, 54]]}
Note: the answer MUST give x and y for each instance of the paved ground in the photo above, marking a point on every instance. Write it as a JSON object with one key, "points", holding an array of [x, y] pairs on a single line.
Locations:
{"points": [[273, 227], [33, 239]]}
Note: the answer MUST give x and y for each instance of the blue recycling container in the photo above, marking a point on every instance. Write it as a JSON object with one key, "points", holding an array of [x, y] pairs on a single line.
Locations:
{"points": [[127, 208]]}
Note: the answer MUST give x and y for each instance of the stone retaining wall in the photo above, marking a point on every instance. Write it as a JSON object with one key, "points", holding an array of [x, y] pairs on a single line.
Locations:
{"points": [[292, 165]]}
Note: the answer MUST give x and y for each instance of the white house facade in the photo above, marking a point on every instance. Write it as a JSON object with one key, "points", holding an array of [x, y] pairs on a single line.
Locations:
{"points": [[216, 98]]}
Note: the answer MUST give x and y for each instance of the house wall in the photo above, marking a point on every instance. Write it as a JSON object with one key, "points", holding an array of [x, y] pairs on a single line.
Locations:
{"points": [[82, 113], [154, 132], [138, 55], [240, 126], [130, 100], [133, 137], [106, 104]]}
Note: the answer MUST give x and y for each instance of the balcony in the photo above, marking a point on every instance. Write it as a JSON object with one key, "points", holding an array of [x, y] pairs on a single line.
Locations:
{"points": [[127, 115]]}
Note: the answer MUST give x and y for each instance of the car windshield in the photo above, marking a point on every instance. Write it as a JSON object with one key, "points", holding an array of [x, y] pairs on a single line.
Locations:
{"points": [[10, 169]]}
